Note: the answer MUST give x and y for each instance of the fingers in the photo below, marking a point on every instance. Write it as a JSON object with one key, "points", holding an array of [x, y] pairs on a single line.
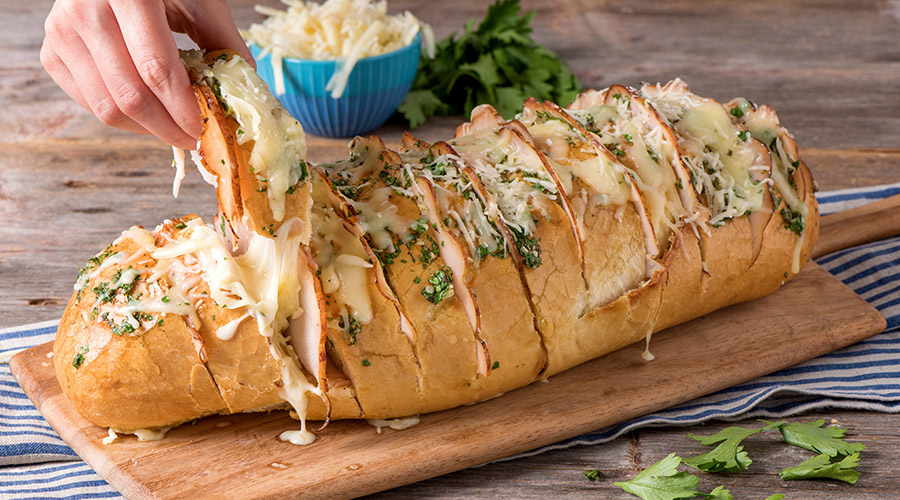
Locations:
{"points": [[63, 55], [118, 59], [152, 47], [211, 25], [101, 33]]}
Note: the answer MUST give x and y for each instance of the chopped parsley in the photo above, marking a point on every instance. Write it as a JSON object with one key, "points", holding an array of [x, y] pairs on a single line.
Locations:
{"points": [[79, 356], [165, 299], [592, 475], [352, 329], [744, 135], [793, 221], [440, 284], [106, 294], [495, 365], [529, 248], [419, 226], [180, 225], [366, 362], [736, 112], [304, 171]]}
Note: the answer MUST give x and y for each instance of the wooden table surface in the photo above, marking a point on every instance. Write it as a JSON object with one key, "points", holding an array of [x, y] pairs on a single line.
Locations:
{"points": [[69, 185]]}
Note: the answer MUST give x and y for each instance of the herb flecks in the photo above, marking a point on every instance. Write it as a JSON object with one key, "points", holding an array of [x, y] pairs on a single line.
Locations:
{"points": [[79, 356], [793, 221], [529, 248], [440, 285]]}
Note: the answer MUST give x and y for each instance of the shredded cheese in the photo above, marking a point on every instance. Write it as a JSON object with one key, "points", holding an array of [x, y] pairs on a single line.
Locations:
{"points": [[341, 30], [718, 155]]}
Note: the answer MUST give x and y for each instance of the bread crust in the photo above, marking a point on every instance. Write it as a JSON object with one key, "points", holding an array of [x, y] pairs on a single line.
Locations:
{"points": [[606, 278]]}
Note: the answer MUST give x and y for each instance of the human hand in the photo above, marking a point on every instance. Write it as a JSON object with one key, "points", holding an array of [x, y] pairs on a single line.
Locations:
{"points": [[118, 59]]}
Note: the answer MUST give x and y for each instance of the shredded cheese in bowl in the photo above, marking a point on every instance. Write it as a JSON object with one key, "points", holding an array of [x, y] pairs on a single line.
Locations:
{"points": [[341, 30]]}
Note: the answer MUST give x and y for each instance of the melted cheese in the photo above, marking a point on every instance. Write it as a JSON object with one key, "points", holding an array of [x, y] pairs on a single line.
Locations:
{"points": [[277, 157], [178, 163], [398, 424], [648, 153], [345, 271], [508, 172], [763, 125], [264, 280], [716, 153], [573, 157]]}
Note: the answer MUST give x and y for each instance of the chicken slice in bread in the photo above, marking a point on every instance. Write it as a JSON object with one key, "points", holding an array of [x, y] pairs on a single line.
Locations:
{"points": [[369, 339], [484, 265], [387, 210], [522, 195]]}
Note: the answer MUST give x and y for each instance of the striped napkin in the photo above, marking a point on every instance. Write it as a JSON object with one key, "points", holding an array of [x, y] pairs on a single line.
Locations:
{"points": [[35, 463]]}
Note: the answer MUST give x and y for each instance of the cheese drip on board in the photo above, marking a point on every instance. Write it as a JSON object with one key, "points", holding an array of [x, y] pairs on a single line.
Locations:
{"points": [[183, 265], [278, 154], [341, 30]]}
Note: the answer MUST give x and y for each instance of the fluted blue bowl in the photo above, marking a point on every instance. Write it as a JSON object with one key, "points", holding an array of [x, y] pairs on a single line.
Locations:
{"points": [[375, 88]]}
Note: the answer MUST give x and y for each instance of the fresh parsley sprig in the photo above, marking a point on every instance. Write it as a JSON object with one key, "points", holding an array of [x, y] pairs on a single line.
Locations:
{"points": [[497, 63], [728, 456], [662, 481], [821, 466], [814, 437], [837, 460]]}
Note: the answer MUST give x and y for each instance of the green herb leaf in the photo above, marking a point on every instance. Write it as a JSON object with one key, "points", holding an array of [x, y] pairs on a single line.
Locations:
{"points": [[720, 493], [497, 63], [662, 481], [419, 104], [79, 356], [592, 475], [440, 284], [728, 455], [820, 466], [814, 437], [777, 496]]}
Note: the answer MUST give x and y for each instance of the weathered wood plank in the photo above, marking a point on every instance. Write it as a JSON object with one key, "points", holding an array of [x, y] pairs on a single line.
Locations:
{"points": [[558, 474]]}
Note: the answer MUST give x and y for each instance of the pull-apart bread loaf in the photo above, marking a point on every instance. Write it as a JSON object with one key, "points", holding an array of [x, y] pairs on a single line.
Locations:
{"points": [[399, 282]]}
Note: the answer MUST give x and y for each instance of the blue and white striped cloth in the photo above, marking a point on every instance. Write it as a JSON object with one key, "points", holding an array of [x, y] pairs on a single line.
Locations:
{"points": [[36, 463]]}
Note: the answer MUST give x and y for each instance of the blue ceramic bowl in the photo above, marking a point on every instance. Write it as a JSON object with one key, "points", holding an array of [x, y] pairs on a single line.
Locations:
{"points": [[375, 88]]}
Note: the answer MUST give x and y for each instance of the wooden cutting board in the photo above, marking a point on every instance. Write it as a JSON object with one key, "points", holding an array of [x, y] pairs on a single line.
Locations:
{"points": [[241, 456]]}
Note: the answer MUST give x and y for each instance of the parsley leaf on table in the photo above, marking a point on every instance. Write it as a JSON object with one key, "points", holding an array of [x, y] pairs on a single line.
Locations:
{"points": [[814, 437], [592, 475], [728, 456], [720, 493], [821, 466], [662, 481], [497, 63]]}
